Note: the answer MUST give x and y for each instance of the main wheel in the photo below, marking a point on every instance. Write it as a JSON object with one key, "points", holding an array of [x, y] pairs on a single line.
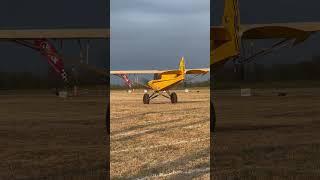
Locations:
{"points": [[174, 98], [146, 98]]}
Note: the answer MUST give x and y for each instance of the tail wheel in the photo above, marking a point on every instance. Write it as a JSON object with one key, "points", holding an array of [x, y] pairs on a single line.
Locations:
{"points": [[146, 99], [174, 98]]}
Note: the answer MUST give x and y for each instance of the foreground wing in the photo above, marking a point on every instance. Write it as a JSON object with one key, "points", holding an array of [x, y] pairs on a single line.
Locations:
{"points": [[297, 31], [79, 33]]}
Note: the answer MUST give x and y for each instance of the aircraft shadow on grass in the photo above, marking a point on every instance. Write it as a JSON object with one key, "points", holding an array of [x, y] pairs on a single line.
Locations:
{"points": [[180, 162], [161, 129]]}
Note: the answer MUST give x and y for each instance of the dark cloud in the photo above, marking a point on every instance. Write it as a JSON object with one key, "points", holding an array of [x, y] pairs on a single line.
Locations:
{"points": [[154, 34], [54, 13], [167, 7], [50, 14], [270, 11]]}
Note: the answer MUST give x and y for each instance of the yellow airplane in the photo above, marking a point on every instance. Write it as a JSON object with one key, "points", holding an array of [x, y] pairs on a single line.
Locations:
{"points": [[163, 81], [225, 40]]}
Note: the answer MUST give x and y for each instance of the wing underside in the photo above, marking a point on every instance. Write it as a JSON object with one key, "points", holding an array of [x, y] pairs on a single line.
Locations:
{"points": [[79, 33], [188, 71], [197, 71], [297, 31], [136, 72]]}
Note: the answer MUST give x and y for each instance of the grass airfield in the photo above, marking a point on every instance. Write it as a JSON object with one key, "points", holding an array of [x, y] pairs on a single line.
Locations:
{"points": [[46, 137], [160, 140], [264, 135], [267, 136]]}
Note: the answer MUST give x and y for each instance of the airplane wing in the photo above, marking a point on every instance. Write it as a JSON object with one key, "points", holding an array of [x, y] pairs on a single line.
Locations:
{"points": [[136, 72], [121, 73], [171, 72], [38, 39], [78, 33], [197, 71], [297, 31], [188, 71]]}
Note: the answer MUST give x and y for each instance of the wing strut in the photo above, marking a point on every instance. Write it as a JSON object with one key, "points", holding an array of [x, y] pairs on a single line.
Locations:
{"points": [[278, 45], [47, 49]]}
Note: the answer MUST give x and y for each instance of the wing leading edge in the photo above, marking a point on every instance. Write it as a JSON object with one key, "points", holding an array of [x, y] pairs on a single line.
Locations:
{"points": [[187, 71], [78, 33], [297, 31]]}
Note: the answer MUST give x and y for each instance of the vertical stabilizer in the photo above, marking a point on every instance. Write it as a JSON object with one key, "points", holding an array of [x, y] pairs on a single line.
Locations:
{"points": [[182, 66], [225, 40], [231, 21]]}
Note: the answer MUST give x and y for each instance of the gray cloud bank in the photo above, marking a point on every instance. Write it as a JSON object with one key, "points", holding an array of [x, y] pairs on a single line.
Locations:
{"points": [[154, 34]]}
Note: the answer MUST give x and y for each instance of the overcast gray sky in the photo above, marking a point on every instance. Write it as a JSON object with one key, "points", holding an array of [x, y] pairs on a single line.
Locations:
{"points": [[153, 34]]}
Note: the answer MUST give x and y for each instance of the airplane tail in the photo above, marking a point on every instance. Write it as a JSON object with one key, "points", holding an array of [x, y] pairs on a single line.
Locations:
{"points": [[182, 66], [225, 43], [231, 17]]}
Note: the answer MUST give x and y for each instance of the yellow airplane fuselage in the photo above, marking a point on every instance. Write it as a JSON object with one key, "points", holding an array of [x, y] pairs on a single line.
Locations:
{"points": [[166, 81]]}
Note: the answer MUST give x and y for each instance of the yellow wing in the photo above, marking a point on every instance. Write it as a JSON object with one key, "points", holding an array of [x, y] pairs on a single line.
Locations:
{"points": [[223, 43], [197, 71], [136, 72], [297, 31], [188, 71]]}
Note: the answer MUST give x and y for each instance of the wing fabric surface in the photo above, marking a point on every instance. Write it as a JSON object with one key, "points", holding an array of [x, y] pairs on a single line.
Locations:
{"points": [[297, 31], [79, 33], [136, 72], [197, 71], [188, 71]]}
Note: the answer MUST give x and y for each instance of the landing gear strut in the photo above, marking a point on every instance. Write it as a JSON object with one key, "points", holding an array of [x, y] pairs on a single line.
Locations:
{"points": [[172, 96]]}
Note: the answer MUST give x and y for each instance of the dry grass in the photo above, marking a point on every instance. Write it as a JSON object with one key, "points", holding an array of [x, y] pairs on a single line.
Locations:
{"points": [[160, 140], [266, 136], [42, 136]]}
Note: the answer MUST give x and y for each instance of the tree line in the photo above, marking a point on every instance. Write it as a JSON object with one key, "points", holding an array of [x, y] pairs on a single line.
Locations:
{"points": [[248, 73], [29, 80], [256, 72]]}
